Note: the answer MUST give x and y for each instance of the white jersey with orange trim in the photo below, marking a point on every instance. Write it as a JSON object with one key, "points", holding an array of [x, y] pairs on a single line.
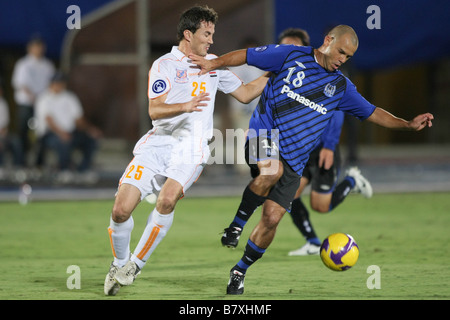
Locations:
{"points": [[174, 75], [177, 147]]}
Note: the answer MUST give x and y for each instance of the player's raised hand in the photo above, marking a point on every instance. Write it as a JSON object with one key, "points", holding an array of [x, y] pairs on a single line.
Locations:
{"points": [[421, 121], [203, 64], [197, 102], [326, 158], [230, 59]]}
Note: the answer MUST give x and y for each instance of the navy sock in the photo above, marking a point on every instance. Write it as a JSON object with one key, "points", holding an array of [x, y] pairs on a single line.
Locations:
{"points": [[300, 217], [341, 192], [250, 201], [251, 254]]}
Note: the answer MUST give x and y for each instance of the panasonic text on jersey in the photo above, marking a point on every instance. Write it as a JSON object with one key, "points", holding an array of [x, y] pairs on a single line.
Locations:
{"points": [[301, 99]]}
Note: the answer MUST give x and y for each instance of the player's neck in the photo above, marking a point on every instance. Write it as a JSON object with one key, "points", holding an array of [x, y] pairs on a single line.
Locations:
{"points": [[185, 47], [319, 57]]}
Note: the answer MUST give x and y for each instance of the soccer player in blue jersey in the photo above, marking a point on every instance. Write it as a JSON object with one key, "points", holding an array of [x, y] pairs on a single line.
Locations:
{"points": [[304, 91], [321, 171]]}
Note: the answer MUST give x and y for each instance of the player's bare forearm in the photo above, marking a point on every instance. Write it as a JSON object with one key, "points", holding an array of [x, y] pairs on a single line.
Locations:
{"points": [[257, 86], [162, 111], [388, 120], [247, 92], [158, 109], [230, 59], [234, 58]]}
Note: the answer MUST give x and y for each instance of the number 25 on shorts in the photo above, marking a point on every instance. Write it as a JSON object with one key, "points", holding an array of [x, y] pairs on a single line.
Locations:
{"points": [[137, 173]]}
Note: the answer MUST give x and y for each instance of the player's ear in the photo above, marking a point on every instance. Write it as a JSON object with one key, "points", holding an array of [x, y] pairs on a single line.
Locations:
{"points": [[328, 40], [187, 35]]}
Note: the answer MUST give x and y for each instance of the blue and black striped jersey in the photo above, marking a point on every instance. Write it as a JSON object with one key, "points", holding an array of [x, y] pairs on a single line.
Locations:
{"points": [[332, 132], [299, 100]]}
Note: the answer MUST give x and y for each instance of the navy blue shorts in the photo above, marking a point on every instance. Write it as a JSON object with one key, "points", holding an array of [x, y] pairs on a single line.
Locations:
{"points": [[284, 190], [321, 180]]}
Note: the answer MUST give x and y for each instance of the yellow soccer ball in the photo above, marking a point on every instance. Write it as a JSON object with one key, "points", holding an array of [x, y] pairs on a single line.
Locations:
{"points": [[339, 251]]}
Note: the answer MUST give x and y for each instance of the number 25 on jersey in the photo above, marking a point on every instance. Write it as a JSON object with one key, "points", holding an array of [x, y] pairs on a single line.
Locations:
{"points": [[198, 88]]}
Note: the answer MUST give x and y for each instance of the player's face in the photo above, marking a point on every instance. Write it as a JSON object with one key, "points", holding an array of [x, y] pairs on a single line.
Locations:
{"points": [[338, 51], [202, 39]]}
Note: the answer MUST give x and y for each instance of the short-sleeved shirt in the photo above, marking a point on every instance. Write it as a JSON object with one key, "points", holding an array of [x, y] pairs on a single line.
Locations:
{"points": [[32, 73], [175, 75], [332, 133], [299, 100], [64, 108]]}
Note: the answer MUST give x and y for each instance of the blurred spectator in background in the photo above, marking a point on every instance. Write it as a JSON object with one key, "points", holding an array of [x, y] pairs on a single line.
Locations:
{"points": [[31, 77], [61, 126], [296, 36], [7, 141]]}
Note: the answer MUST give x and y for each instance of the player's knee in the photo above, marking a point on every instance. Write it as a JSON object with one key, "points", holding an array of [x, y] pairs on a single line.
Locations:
{"points": [[165, 203], [320, 207], [272, 216], [120, 213], [271, 221]]}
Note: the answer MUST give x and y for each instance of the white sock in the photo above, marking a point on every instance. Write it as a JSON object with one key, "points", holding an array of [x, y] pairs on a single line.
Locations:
{"points": [[157, 227], [119, 235]]}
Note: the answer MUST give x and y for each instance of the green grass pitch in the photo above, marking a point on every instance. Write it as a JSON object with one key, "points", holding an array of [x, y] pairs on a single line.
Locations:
{"points": [[405, 235]]}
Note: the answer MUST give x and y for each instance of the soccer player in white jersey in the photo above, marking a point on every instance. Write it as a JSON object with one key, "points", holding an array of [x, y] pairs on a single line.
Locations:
{"points": [[170, 157]]}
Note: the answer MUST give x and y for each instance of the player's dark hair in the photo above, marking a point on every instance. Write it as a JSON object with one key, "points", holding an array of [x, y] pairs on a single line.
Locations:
{"points": [[192, 18], [295, 33]]}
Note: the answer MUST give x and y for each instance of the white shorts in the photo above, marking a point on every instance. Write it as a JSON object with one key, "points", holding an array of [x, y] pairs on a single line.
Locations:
{"points": [[158, 157]]}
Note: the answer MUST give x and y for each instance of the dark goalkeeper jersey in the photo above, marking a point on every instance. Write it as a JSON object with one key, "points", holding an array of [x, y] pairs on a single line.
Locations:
{"points": [[299, 100]]}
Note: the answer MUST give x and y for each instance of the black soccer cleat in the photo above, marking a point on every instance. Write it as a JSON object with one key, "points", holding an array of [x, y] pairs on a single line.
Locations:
{"points": [[230, 237], [236, 284]]}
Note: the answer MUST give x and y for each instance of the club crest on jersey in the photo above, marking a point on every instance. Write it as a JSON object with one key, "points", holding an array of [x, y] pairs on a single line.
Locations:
{"points": [[182, 76], [159, 86], [329, 90]]}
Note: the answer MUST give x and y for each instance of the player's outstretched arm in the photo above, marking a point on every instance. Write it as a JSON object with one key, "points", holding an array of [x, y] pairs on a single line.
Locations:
{"points": [[158, 109], [247, 92], [386, 119], [230, 59]]}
